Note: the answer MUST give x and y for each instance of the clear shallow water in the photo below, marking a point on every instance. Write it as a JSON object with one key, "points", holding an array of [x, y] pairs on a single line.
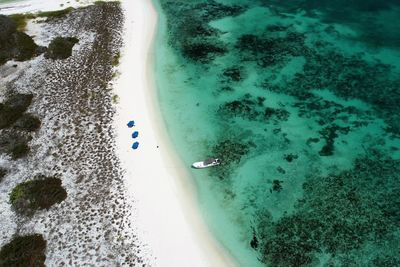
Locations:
{"points": [[300, 101]]}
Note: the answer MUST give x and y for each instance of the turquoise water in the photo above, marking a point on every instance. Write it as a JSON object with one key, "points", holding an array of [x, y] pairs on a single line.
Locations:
{"points": [[300, 101]]}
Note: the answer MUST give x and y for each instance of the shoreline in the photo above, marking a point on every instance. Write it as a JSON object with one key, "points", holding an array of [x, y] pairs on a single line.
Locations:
{"points": [[165, 198]]}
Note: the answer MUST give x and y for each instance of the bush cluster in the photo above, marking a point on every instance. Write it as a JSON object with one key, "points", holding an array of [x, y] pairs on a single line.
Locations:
{"points": [[28, 250], [40, 193]]}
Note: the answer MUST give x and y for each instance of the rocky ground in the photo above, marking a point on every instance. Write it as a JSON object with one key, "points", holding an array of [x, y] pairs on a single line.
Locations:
{"points": [[74, 101]]}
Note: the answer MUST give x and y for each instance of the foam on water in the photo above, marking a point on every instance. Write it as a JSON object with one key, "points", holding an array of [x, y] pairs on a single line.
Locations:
{"points": [[300, 101]]}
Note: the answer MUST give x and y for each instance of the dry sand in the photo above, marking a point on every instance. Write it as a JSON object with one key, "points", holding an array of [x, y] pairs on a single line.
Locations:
{"points": [[167, 214]]}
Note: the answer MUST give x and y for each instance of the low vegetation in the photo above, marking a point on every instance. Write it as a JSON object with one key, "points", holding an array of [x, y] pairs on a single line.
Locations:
{"points": [[41, 193], [56, 13], [21, 19], [116, 59], [26, 250]]}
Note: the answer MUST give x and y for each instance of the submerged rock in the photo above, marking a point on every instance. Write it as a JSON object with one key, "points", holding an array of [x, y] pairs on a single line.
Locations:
{"points": [[277, 185], [234, 74], [202, 52]]}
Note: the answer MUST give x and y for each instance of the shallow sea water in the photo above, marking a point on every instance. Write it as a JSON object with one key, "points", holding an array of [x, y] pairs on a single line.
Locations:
{"points": [[300, 102]]}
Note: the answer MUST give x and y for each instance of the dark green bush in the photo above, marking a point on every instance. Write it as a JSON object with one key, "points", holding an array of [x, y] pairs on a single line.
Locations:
{"points": [[14, 144], [61, 47], [13, 43], [3, 172], [25, 46], [27, 122], [13, 109], [38, 194], [20, 150], [24, 251]]}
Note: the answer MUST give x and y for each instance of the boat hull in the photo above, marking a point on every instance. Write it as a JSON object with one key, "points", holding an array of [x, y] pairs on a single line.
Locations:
{"points": [[201, 165]]}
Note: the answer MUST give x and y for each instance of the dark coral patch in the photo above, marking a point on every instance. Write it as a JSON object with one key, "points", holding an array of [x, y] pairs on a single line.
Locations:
{"points": [[337, 214]]}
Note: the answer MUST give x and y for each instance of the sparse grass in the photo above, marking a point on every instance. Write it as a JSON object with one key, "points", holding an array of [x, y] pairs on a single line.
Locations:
{"points": [[21, 20], [115, 99], [41, 193], [24, 251], [56, 13]]}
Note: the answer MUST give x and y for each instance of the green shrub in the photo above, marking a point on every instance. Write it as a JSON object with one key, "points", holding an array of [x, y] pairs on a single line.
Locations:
{"points": [[15, 44], [19, 101], [13, 109], [61, 47], [27, 122], [38, 194], [3, 172], [26, 47], [26, 250], [14, 144], [20, 150]]}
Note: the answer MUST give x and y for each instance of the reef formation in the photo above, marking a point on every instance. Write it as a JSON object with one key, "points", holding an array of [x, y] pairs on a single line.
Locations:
{"points": [[305, 118]]}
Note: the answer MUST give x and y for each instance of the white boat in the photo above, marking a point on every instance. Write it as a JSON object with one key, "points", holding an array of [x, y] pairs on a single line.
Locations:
{"points": [[206, 163]]}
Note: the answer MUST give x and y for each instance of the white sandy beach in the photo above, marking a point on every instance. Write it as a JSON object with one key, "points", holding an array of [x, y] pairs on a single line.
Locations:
{"points": [[166, 212]]}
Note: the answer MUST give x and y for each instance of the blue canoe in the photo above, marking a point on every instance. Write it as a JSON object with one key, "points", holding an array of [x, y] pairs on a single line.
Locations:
{"points": [[131, 124], [135, 134]]}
